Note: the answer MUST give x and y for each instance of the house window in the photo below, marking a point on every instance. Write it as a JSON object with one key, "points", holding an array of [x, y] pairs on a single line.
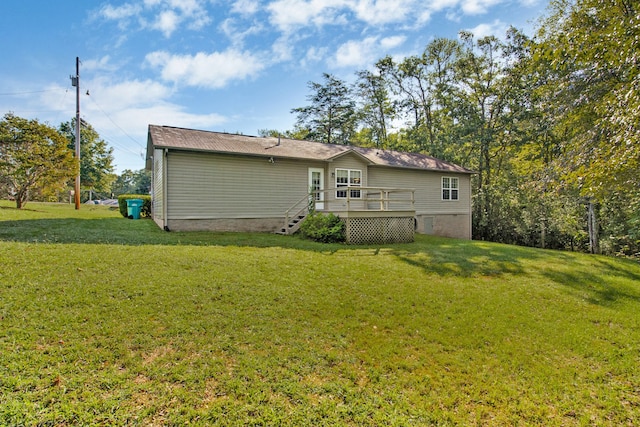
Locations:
{"points": [[450, 188], [348, 178]]}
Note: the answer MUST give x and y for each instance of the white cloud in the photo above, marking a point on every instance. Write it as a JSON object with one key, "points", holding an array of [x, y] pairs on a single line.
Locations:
{"points": [[167, 22], [121, 12], [245, 7], [101, 64], [163, 15], [375, 12], [497, 28], [315, 54], [392, 42], [121, 111], [125, 94], [290, 14], [438, 5], [168, 114], [130, 106], [423, 17], [358, 53], [282, 49], [477, 7], [188, 7], [198, 18], [355, 53], [129, 136], [210, 70], [237, 36], [313, 57]]}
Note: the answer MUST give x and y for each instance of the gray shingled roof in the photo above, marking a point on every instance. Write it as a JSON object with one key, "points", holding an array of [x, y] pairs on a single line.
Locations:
{"points": [[218, 142]]}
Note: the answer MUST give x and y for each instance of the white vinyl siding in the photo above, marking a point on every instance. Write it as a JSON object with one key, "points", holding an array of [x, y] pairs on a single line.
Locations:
{"points": [[428, 186]]}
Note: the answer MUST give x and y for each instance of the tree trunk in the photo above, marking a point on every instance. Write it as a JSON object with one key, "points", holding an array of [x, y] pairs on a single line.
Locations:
{"points": [[592, 220], [21, 198]]}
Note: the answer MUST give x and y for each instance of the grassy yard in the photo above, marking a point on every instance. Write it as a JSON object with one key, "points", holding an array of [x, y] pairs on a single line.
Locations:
{"points": [[109, 321]]}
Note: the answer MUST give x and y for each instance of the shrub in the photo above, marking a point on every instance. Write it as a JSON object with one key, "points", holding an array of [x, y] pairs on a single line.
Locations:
{"points": [[323, 228], [145, 212]]}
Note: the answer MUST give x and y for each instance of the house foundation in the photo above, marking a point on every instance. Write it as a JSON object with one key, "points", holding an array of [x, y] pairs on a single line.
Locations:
{"points": [[247, 225]]}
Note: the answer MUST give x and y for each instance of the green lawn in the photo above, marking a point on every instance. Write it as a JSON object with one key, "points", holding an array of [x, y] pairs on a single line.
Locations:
{"points": [[110, 321]]}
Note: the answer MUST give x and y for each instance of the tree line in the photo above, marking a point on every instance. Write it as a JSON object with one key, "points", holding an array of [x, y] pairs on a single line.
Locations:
{"points": [[37, 162], [550, 123]]}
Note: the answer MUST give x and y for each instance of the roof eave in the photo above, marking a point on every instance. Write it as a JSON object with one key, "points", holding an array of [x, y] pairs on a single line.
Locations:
{"points": [[464, 171], [351, 150], [266, 155]]}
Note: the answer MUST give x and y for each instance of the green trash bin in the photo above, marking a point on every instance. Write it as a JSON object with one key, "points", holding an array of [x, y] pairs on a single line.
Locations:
{"points": [[133, 208]]}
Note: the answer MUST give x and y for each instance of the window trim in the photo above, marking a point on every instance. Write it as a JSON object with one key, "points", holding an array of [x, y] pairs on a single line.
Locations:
{"points": [[451, 189], [348, 184]]}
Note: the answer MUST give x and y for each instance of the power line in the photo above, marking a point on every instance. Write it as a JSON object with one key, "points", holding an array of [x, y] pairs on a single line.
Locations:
{"points": [[30, 92], [61, 109], [66, 90], [27, 110], [112, 121], [108, 138], [114, 143]]}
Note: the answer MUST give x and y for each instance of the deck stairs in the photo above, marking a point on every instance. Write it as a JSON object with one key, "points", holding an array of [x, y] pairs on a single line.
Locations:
{"points": [[295, 215], [293, 225]]}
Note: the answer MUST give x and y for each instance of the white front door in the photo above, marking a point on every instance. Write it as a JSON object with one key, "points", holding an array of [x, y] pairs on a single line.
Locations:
{"points": [[316, 185]]}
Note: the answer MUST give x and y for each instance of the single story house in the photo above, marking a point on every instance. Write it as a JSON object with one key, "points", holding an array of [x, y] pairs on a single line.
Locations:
{"points": [[204, 180]]}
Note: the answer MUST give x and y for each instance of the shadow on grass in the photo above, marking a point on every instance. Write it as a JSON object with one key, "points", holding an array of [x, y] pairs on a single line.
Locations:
{"points": [[465, 258], [434, 255], [604, 282], [597, 279], [121, 231], [79, 230]]}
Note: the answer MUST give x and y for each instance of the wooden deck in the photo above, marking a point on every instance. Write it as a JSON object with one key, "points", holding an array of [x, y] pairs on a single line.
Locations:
{"points": [[371, 214]]}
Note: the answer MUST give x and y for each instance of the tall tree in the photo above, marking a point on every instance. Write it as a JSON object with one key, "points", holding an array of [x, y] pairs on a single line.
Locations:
{"points": [[442, 55], [376, 109], [593, 51], [481, 100], [32, 156], [419, 85], [96, 157], [414, 99], [594, 48], [331, 116], [547, 212]]}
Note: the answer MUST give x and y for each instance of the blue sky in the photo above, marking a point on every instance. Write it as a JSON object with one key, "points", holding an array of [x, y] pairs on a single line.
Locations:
{"points": [[233, 66]]}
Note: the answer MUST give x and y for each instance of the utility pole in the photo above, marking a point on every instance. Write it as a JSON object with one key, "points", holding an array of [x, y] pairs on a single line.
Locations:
{"points": [[75, 81]]}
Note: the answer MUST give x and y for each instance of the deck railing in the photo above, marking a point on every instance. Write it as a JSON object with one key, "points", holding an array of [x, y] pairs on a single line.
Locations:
{"points": [[370, 199], [299, 209], [363, 199]]}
